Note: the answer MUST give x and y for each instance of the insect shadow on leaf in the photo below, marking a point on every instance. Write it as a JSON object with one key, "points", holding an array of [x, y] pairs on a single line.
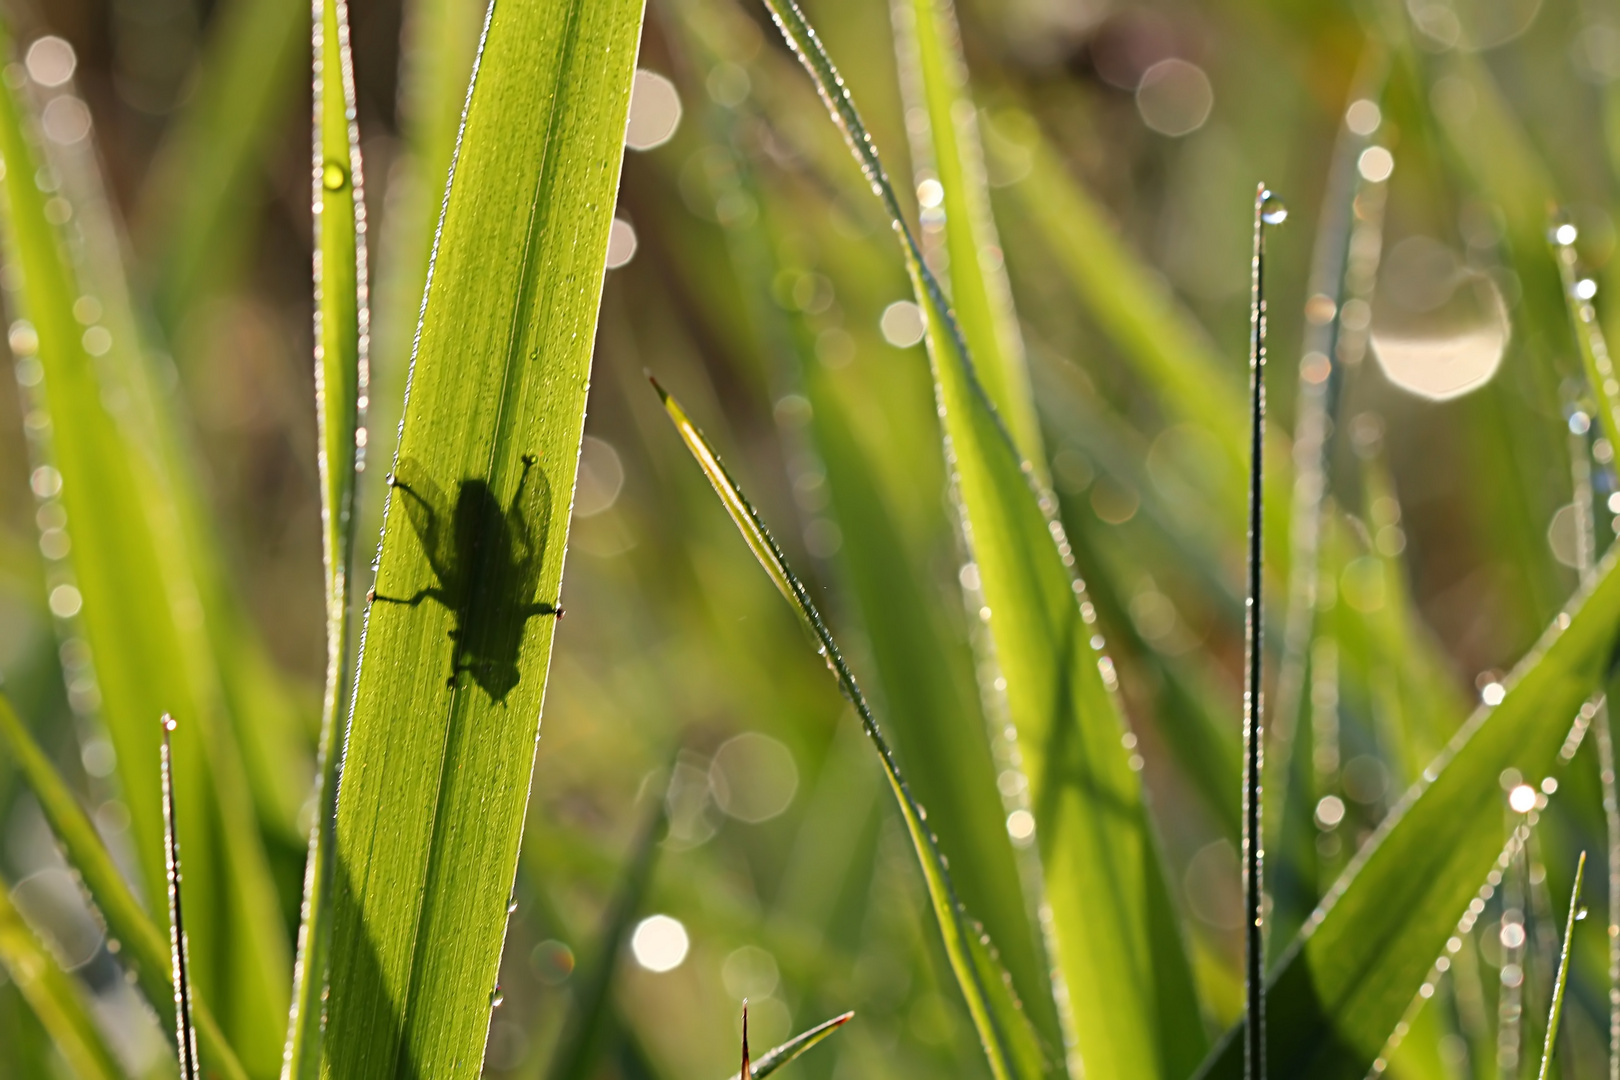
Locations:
{"points": [[487, 563]]}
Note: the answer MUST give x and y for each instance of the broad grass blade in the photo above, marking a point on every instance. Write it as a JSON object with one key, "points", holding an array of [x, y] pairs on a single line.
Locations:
{"points": [[192, 224], [342, 377], [142, 594], [438, 758], [142, 948], [1117, 946], [1345, 983], [54, 996], [779, 1056], [1556, 1009], [1010, 1042]]}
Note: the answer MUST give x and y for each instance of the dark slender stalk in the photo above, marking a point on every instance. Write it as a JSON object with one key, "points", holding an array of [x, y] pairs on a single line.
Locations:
{"points": [[185, 1033], [1267, 210]]}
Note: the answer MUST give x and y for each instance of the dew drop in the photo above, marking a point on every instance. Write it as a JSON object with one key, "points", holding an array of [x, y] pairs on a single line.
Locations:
{"points": [[1273, 211], [496, 997], [334, 176], [1580, 913]]}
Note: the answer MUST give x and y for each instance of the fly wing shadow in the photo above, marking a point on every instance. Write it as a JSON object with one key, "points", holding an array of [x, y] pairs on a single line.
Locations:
{"points": [[487, 562], [529, 524], [428, 511]]}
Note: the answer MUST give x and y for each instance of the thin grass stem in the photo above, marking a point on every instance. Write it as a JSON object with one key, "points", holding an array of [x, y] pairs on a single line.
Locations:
{"points": [[185, 1032], [1557, 1007], [1268, 210]]}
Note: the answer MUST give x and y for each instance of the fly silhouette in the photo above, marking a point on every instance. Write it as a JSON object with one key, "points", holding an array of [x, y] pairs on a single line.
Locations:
{"points": [[487, 563]]}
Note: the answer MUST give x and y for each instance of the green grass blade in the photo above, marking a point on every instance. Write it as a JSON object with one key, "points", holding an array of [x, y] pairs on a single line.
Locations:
{"points": [[1171, 351], [191, 222], [1117, 940], [439, 41], [141, 591], [53, 995], [775, 1058], [342, 376], [1364, 953], [592, 1013], [946, 149], [1556, 1009], [1010, 1042], [142, 948], [1594, 349], [437, 762], [179, 948]]}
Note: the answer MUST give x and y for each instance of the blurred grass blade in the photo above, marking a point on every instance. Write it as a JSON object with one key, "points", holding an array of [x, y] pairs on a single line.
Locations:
{"points": [[1174, 355], [139, 589], [591, 1014], [179, 961], [53, 995], [439, 754], [1594, 350], [342, 333], [779, 1056], [142, 949], [1010, 1042], [1556, 1009], [1118, 949], [191, 221], [1344, 985], [948, 161]]}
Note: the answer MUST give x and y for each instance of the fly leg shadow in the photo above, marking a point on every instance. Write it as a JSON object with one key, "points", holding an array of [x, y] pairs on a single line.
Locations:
{"points": [[429, 593]]}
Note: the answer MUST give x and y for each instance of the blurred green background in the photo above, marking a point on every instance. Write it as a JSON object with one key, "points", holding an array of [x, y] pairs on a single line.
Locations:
{"points": [[757, 279]]}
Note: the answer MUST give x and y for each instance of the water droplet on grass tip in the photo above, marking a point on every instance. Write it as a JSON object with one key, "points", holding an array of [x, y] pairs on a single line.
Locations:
{"points": [[1273, 211], [334, 176]]}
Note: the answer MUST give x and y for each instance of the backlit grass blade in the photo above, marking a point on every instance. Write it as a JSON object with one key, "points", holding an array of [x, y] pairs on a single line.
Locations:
{"points": [[1338, 993], [591, 1014], [140, 591], [142, 948], [1594, 349], [439, 753], [342, 377], [1556, 1009], [53, 995], [192, 225], [179, 959], [1352, 207], [924, 673], [1172, 352], [948, 162], [1117, 939], [1266, 210], [775, 1058], [1010, 1042]]}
